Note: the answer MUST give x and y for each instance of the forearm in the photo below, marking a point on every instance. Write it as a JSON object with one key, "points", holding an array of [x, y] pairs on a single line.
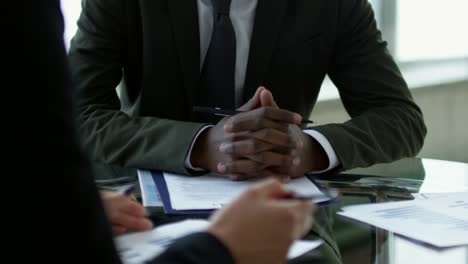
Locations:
{"points": [[378, 136], [115, 138], [386, 123]]}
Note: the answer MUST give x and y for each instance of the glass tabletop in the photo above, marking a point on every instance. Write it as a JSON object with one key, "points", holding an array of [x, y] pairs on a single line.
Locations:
{"points": [[348, 241], [361, 243]]}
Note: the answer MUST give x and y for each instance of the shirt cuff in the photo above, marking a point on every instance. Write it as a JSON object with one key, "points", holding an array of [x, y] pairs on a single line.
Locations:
{"points": [[333, 161], [188, 164]]}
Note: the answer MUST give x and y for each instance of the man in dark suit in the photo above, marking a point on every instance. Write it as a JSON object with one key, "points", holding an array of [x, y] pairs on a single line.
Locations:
{"points": [[172, 55], [66, 222]]}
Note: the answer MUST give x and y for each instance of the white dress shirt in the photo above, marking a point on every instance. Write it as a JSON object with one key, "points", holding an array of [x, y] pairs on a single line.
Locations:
{"points": [[242, 15]]}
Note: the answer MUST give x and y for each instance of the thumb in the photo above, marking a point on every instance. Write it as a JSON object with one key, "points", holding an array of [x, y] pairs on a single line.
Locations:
{"points": [[267, 100], [254, 102]]}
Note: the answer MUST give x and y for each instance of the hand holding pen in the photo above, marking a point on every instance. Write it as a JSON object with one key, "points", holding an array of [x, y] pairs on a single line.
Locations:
{"points": [[124, 213]]}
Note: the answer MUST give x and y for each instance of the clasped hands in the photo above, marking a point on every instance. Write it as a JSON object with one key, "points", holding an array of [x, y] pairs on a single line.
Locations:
{"points": [[262, 141]]}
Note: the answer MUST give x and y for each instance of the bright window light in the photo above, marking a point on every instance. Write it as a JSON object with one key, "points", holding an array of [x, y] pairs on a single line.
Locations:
{"points": [[431, 29], [71, 10]]}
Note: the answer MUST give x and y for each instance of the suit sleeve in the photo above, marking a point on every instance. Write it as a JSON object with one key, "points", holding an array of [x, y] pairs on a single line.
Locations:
{"points": [[386, 123], [199, 248], [97, 56], [67, 210]]}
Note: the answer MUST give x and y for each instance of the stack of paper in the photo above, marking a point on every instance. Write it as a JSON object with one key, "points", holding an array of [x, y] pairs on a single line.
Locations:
{"points": [[143, 246], [149, 192], [442, 222], [192, 195]]}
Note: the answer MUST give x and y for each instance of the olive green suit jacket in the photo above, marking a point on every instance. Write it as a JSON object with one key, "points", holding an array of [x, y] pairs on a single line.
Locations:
{"points": [[152, 48]]}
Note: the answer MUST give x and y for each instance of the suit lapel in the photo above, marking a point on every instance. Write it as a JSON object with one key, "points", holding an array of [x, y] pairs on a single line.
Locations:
{"points": [[268, 21], [184, 21]]}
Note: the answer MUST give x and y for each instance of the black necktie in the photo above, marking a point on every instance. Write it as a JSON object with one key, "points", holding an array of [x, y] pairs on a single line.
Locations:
{"points": [[218, 72]]}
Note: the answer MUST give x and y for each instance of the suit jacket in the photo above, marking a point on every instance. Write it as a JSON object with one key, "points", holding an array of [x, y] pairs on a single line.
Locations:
{"points": [[153, 47], [66, 222]]}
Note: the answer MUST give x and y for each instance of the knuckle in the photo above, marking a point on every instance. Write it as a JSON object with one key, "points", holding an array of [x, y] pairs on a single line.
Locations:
{"points": [[231, 138], [284, 140], [258, 122], [254, 145], [287, 139], [286, 161], [283, 127], [256, 167], [230, 167], [250, 168], [268, 133], [263, 111], [261, 157], [234, 122], [231, 148]]}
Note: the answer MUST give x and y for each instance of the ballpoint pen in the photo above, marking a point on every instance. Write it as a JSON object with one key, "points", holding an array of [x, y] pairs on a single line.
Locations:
{"points": [[225, 112], [127, 190], [330, 194]]}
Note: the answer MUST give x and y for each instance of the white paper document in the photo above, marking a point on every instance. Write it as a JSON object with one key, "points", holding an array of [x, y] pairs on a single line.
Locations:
{"points": [[149, 192], [429, 196], [301, 247], [143, 246], [442, 222], [213, 192]]}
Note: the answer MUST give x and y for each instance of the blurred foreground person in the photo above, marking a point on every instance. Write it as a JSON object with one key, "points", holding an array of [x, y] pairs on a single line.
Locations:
{"points": [[66, 223]]}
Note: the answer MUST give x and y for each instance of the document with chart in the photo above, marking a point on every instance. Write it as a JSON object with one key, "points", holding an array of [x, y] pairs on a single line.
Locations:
{"points": [[441, 222]]}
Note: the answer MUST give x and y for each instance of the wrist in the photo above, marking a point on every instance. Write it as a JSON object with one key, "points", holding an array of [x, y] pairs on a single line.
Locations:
{"points": [[198, 155], [316, 156]]}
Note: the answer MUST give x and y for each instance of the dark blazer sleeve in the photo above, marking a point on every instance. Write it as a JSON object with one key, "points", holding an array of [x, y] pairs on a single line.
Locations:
{"points": [[386, 124], [67, 207], [199, 248], [64, 207], [97, 57]]}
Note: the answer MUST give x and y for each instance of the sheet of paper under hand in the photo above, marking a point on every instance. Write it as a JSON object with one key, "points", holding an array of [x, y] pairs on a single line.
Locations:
{"points": [[213, 192], [442, 222], [143, 246]]}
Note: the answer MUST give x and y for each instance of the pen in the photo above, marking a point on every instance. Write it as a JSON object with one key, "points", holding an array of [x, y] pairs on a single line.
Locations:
{"points": [[312, 197], [331, 194], [225, 112], [127, 190]]}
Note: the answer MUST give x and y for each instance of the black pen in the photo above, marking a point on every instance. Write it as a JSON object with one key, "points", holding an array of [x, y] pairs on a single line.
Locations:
{"points": [[225, 112], [330, 194], [312, 197], [127, 190]]}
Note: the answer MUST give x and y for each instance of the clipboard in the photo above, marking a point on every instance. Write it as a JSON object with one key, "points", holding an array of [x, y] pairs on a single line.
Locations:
{"points": [[162, 188]]}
